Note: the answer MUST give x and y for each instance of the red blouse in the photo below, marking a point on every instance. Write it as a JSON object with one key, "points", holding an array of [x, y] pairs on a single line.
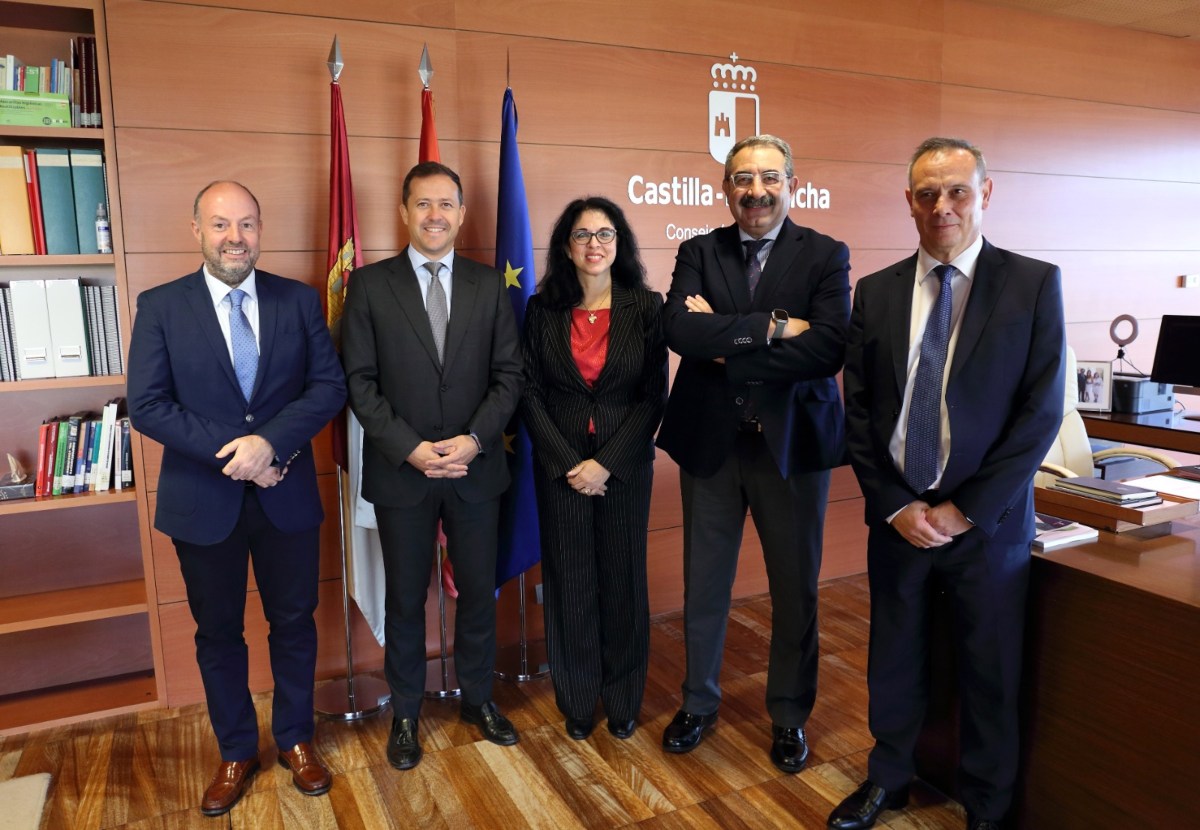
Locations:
{"points": [[589, 345]]}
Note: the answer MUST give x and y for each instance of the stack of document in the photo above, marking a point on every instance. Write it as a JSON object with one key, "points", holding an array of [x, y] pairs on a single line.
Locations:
{"points": [[1053, 532], [1112, 492]]}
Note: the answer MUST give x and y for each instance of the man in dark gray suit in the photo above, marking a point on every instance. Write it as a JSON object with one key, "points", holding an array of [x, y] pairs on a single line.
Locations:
{"points": [[433, 366], [954, 392], [757, 310]]}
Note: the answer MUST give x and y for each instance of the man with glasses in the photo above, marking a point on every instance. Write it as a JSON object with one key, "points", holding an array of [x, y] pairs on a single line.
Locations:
{"points": [[758, 312]]}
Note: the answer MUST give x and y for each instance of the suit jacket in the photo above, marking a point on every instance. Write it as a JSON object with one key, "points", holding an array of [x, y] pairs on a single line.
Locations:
{"points": [[790, 383], [402, 396], [1004, 390], [184, 394], [626, 402]]}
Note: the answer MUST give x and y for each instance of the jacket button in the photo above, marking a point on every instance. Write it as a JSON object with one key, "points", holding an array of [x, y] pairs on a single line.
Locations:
{"points": [[249, 419], [445, 388], [739, 401]]}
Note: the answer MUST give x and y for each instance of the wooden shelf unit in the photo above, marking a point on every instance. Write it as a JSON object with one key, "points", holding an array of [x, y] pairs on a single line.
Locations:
{"points": [[63, 608]]}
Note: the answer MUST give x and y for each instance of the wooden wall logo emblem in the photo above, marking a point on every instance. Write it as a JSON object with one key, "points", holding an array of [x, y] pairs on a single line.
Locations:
{"points": [[733, 106]]}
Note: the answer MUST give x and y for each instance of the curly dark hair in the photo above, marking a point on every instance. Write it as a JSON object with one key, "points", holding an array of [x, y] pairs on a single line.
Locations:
{"points": [[559, 286]]}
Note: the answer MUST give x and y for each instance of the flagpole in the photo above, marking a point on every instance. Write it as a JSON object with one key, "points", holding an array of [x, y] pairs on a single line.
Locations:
{"points": [[350, 698]]}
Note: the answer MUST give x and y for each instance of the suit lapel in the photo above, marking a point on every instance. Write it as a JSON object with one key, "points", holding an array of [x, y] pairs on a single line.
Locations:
{"points": [[986, 288], [200, 300], [731, 256], [407, 292], [464, 292], [898, 311], [788, 245], [268, 316], [622, 327]]}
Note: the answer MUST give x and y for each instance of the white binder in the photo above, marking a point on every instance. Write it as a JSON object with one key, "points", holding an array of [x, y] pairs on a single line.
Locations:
{"points": [[68, 334], [31, 329]]}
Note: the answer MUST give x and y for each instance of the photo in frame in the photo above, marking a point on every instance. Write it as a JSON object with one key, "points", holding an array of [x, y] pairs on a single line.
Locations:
{"points": [[1094, 382]]}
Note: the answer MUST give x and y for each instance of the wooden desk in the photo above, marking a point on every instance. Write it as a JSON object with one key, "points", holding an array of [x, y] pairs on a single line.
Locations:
{"points": [[1162, 430], [1110, 725]]}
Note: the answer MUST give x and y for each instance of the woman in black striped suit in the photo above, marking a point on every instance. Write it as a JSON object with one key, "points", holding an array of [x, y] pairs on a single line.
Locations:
{"points": [[596, 385]]}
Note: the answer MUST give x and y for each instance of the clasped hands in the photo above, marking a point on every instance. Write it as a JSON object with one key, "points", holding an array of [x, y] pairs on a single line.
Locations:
{"points": [[926, 527], [448, 458], [793, 327], [252, 457], [588, 478]]}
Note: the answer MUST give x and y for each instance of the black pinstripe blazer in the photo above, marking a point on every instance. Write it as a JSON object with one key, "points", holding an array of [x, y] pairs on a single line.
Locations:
{"points": [[627, 401]]}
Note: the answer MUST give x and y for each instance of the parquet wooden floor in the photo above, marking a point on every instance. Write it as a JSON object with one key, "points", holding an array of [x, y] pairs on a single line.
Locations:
{"points": [[147, 771]]}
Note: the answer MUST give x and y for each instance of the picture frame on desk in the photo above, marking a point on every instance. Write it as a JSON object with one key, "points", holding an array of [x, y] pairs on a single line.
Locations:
{"points": [[1094, 379]]}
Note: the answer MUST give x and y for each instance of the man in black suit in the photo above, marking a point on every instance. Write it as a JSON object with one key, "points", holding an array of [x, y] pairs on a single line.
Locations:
{"points": [[954, 389], [233, 372], [757, 310], [433, 366]]}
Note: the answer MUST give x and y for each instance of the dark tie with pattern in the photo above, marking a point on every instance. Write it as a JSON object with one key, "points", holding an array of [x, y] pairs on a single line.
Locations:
{"points": [[245, 349], [923, 439], [435, 307], [753, 266]]}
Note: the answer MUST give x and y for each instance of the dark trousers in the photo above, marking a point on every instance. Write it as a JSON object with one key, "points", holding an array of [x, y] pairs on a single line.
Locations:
{"points": [[789, 515], [596, 604], [408, 536], [285, 568], [986, 583]]}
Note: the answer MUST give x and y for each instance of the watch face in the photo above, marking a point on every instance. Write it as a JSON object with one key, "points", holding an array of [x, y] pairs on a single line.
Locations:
{"points": [[779, 315]]}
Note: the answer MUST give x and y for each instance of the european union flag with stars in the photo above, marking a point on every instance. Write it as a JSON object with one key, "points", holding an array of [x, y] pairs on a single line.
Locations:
{"points": [[520, 548]]}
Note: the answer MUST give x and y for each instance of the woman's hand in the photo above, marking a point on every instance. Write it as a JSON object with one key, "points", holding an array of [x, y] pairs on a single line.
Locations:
{"points": [[589, 478]]}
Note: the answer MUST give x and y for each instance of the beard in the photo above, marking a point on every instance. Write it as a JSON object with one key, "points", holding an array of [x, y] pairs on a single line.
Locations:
{"points": [[232, 274]]}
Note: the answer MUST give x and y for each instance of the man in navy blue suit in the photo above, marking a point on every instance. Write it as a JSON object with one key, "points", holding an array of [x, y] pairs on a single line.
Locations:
{"points": [[954, 390], [233, 371]]}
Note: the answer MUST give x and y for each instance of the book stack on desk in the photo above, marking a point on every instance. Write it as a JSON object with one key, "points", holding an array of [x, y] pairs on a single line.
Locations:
{"points": [[1110, 492], [1053, 532]]}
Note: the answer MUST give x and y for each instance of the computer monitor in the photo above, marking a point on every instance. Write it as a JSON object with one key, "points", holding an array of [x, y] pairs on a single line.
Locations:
{"points": [[1177, 356]]}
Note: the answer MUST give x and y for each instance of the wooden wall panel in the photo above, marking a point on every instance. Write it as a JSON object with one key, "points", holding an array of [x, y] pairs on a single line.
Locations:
{"points": [[1088, 132]]}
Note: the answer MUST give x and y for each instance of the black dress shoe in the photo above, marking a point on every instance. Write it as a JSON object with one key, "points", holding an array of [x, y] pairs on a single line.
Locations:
{"points": [[861, 808], [685, 732], [403, 748], [982, 824], [622, 728], [789, 748], [579, 728], [494, 726]]}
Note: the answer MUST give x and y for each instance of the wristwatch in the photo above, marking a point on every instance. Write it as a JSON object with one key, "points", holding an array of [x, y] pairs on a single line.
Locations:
{"points": [[779, 317]]}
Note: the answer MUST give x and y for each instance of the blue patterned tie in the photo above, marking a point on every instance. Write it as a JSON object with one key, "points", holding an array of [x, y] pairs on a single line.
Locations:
{"points": [[753, 266], [245, 349], [923, 439]]}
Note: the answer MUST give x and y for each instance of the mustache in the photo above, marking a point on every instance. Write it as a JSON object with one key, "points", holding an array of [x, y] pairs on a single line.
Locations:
{"points": [[764, 201]]}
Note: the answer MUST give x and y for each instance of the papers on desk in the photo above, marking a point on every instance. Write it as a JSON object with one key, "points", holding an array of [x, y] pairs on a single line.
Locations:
{"points": [[1053, 532], [1174, 485]]}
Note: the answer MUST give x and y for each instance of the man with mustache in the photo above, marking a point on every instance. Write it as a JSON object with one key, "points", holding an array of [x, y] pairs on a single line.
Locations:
{"points": [[232, 370], [433, 365], [757, 311]]}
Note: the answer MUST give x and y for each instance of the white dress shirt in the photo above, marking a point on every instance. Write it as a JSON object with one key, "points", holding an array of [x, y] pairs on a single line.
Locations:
{"points": [[220, 299]]}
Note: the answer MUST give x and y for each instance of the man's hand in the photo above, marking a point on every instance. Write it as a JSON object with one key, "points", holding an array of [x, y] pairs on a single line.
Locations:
{"points": [[252, 456], [913, 523], [589, 478], [948, 519], [453, 457], [271, 477]]}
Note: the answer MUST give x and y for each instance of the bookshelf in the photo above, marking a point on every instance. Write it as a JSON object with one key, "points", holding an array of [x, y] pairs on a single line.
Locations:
{"points": [[78, 638]]}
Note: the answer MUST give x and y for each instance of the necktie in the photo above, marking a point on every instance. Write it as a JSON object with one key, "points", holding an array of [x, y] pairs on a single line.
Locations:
{"points": [[753, 266], [245, 349], [435, 307], [923, 438]]}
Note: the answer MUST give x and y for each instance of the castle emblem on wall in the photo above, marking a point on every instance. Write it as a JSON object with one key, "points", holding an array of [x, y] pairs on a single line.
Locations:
{"points": [[732, 106]]}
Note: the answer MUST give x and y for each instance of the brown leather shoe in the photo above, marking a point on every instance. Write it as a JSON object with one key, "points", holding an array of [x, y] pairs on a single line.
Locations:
{"points": [[308, 773], [227, 786]]}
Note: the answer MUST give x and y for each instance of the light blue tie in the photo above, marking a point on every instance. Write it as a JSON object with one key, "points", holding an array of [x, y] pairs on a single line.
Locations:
{"points": [[245, 349], [923, 439]]}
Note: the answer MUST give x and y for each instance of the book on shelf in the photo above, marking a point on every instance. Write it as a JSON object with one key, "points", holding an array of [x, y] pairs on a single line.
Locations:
{"points": [[35, 202], [1113, 492], [59, 328], [87, 180], [8, 366], [1053, 532], [58, 199], [31, 329], [1188, 471], [16, 225]]}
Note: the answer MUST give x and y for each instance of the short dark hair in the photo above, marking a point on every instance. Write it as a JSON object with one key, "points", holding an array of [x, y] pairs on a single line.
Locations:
{"points": [[764, 140], [210, 186], [427, 170], [938, 144], [559, 287]]}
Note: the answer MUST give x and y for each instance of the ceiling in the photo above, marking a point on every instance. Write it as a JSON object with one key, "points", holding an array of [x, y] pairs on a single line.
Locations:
{"points": [[1173, 18]]}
